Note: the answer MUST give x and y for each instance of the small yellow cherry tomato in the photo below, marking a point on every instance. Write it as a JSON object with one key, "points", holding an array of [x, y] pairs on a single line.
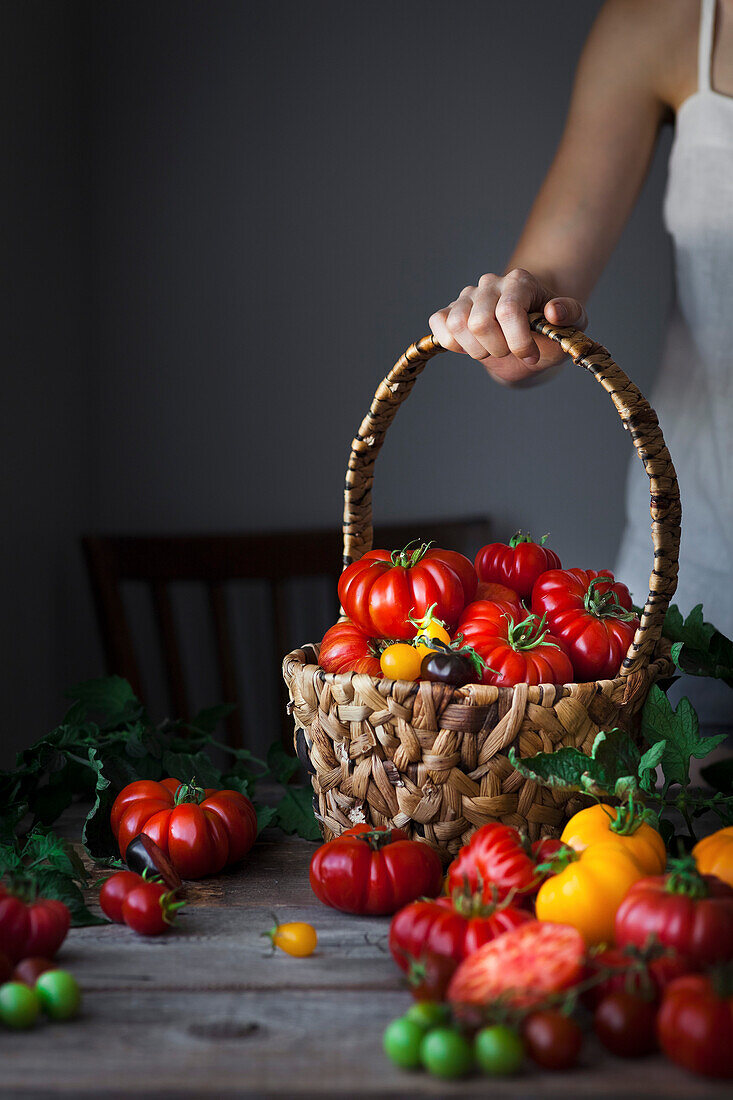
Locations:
{"points": [[400, 661], [714, 855], [593, 826], [296, 938], [588, 892], [429, 627]]}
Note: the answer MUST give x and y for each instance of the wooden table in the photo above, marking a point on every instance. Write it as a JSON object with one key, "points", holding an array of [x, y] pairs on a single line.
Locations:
{"points": [[211, 1011]]}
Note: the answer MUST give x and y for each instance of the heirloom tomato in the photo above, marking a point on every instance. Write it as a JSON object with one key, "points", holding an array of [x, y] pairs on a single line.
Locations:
{"points": [[31, 928], [200, 831], [523, 967], [645, 972], [587, 893], [452, 666], [375, 871], [517, 565], [684, 910], [346, 648], [695, 1024], [591, 613], [497, 862], [625, 1024], [599, 823], [516, 647], [452, 927], [382, 590], [714, 855], [498, 593]]}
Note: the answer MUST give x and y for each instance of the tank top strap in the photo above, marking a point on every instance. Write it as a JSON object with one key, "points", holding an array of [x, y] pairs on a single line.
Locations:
{"points": [[705, 45]]}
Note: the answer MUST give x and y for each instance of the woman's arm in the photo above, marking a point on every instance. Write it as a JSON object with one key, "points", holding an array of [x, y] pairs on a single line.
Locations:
{"points": [[615, 113]]}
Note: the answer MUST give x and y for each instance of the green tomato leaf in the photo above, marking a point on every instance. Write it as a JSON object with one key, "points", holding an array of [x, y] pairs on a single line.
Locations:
{"points": [[611, 769], [679, 729], [111, 697], [699, 648], [295, 813], [265, 816], [207, 720], [564, 768], [282, 766]]}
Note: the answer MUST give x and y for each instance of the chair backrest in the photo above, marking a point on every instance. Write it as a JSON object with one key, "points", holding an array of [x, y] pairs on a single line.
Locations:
{"points": [[274, 558]]}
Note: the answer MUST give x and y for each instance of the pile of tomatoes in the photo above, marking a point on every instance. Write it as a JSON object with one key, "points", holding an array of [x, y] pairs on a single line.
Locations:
{"points": [[526, 932], [514, 616]]}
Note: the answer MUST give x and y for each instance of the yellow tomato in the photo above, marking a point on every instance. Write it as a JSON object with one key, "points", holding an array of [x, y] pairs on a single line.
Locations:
{"points": [[593, 826], [714, 855], [429, 627], [295, 938], [401, 661], [588, 892]]}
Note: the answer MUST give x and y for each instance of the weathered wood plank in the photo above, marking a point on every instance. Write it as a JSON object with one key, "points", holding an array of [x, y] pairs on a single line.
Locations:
{"points": [[210, 1011]]}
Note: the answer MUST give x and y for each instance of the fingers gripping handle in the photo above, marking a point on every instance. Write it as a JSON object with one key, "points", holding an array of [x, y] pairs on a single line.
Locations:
{"points": [[637, 416]]}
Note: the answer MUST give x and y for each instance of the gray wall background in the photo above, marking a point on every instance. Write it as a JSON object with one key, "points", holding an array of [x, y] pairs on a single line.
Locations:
{"points": [[222, 224]]}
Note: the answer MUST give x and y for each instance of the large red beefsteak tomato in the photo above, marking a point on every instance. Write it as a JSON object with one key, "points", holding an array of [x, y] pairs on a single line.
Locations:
{"points": [[451, 927], [516, 647], [497, 862], [516, 565], [375, 871], [591, 613], [35, 927], [201, 831], [381, 590], [684, 910], [346, 648]]}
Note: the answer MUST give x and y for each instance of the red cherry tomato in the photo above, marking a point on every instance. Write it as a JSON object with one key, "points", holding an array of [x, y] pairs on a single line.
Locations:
{"points": [[380, 591], [28, 970], [346, 648], [517, 565], [516, 646], [115, 890], [695, 1026], [374, 870], [200, 831], [626, 1024], [149, 909], [553, 1040], [437, 926], [591, 615]]}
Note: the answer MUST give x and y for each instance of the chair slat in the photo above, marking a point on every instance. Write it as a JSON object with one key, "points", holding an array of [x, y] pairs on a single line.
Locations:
{"points": [[171, 652], [227, 665]]}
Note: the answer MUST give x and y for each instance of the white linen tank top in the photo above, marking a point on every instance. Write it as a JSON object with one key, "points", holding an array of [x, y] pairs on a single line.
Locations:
{"points": [[693, 394]]}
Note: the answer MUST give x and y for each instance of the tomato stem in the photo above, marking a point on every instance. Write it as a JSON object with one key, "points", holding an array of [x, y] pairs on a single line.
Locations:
{"points": [[411, 554], [189, 792], [684, 878], [605, 605], [529, 633]]}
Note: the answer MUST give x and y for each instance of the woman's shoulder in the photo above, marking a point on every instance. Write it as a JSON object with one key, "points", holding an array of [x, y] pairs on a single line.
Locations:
{"points": [[657, 40]]}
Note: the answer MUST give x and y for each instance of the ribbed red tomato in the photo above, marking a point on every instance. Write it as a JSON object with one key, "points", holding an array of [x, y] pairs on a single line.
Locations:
{"points": [[346, 648], [441, 927], [201, 831], [523, 967], [515, 645], [381, 590], [591, 613], [496, 862], [516, 565], [31, 928], [689, 912], [375, 871], [695, 1024]]}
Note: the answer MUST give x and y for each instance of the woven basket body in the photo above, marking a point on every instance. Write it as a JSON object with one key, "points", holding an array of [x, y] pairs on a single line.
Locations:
{"points": [[432, 759]]}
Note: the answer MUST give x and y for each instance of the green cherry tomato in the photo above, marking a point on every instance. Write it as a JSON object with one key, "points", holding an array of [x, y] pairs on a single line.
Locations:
{"points": [[18, 1005], [445, 1053], [428, 1014], [59, 994], [401, 1042], [499, 1050]]}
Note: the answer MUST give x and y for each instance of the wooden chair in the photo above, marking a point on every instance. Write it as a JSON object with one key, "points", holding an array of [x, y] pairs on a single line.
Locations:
{"points": [[274, 558]]}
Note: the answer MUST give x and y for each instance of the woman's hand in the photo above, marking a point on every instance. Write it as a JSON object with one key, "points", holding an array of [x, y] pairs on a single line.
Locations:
{"points": [[490, 323]]}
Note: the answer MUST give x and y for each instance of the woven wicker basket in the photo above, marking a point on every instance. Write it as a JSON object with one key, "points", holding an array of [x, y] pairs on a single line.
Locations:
{"points": [[432, 759]]}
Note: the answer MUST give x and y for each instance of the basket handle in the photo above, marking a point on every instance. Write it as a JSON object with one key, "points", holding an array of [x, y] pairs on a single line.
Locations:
{"points": [[637, 416]]}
